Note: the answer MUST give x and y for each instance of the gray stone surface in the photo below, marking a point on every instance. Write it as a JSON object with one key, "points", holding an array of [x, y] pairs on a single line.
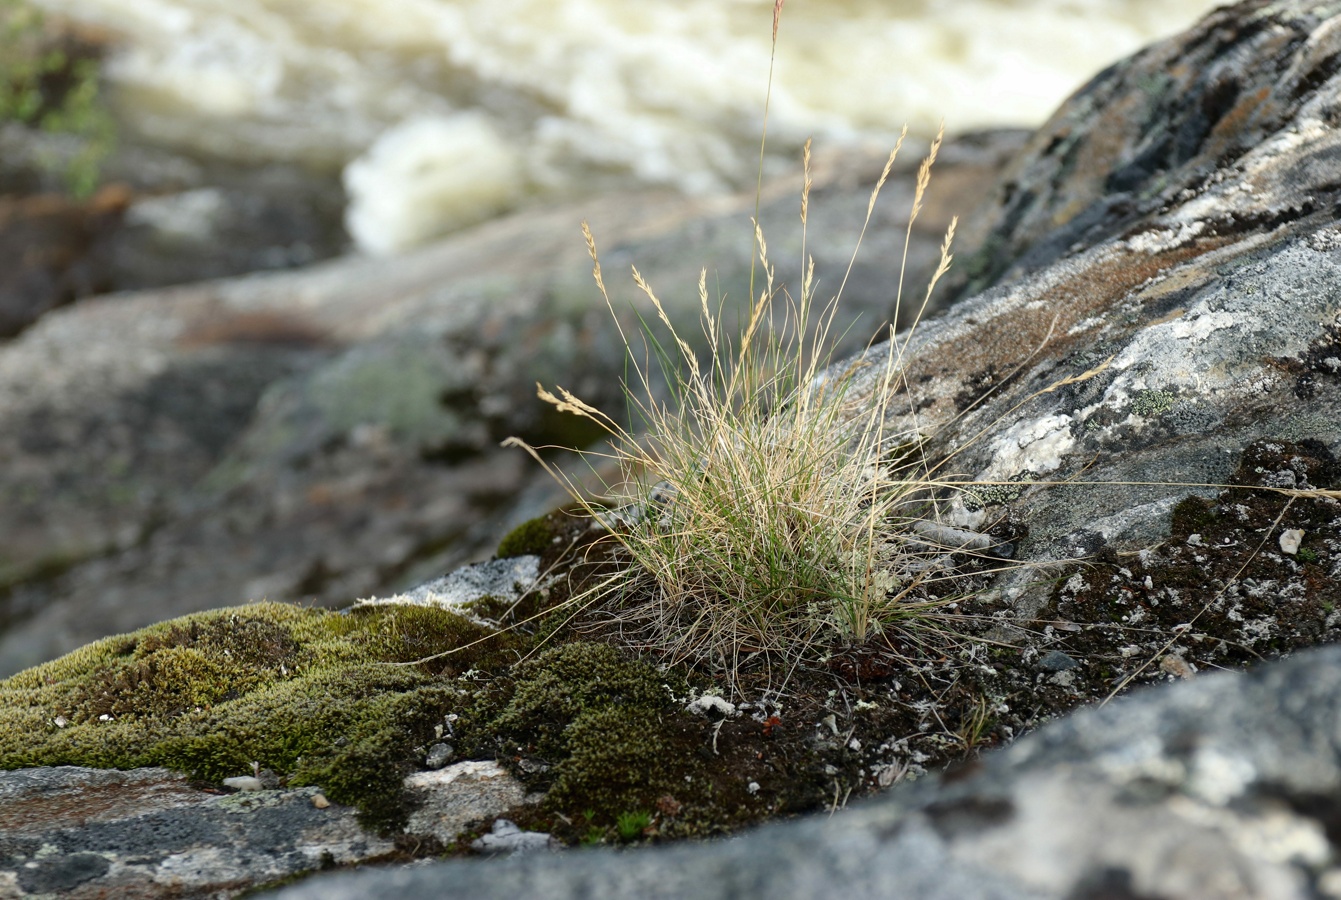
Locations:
{"points": [[75, 832], [1225, 787], [450, 799], [1177, 302], [501, 579]]}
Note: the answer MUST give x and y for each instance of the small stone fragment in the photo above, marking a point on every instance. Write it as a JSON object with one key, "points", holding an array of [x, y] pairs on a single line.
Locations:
{"points": [[1290, 539], [711, 707], [439, 755], [506, 837], [320, 801], [1177, 666], [1056, 661], [243, 783], [449, 799]]}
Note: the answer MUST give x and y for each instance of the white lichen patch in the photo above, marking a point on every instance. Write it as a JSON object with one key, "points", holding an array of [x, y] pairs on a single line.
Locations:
{"points": [[1197, 327], [1163, 239], [1036, 445], [1218, 777], [499, 579]]}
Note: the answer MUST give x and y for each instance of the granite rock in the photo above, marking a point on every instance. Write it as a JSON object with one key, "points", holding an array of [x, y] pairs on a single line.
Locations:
{"points": [[75, 832], [1226, 787]]}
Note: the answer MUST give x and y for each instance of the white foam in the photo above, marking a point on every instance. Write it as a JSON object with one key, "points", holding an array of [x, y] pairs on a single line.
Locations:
{"points": [[590, 91], [426, 177]]}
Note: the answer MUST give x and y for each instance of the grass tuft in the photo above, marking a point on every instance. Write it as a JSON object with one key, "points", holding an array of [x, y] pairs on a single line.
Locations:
{"points": [[768, 506]]}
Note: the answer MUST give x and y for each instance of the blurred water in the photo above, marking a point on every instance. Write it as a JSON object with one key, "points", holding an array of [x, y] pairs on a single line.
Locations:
{"points": [[446, 111]]}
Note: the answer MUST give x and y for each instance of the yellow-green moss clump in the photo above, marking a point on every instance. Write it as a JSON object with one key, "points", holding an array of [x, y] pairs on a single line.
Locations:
{"points": [[534, 536], [312, 695], [349, 702], [611, 729]]}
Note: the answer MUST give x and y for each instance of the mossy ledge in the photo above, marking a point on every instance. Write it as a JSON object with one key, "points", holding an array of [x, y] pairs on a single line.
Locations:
{"points": [[322, 698]]}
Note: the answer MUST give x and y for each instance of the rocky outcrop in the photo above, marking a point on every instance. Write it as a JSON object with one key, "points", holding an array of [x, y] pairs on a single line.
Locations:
{"points": [[1146, 404], [1172, 326], [161, 219], [1150, 385], [52, 250], [72, 832], [1227, 788], [332, 433]]}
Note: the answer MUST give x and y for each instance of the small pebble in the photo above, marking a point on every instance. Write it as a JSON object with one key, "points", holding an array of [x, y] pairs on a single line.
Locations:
{"points": [[506, 837], [439, 755], [320, 801], [1177, 666], [1290, 539], [243, 783], [1056, 661], [711, 707]]}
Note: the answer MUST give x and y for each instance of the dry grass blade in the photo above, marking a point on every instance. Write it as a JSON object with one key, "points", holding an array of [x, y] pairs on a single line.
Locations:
{"points": [[768, 508]]}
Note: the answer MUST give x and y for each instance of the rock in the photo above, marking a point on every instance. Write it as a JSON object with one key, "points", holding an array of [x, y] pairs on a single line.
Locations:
{"points": [[76, 832], [243, 783], [1166, 262], [1056, 661], [712, 707], [206, 445], [1221, 787], [438, 756], [451, 799], [161, 219], [506, 837], [504, 580], [52, 251]]}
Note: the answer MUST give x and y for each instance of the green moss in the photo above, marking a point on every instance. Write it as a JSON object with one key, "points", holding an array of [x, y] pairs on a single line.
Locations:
{"points": [[610, 728], [619, 759], [530, 537], [551, 692], [313, 695], [630, 825], [51, 83], [1192, 515]]}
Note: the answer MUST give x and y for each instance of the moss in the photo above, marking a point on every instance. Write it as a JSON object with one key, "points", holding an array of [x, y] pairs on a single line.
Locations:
{"points": [[608, 729], [313, 695], [620, 759], [50, 81], [533, 536], [550, 693], [1191, 515]]}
